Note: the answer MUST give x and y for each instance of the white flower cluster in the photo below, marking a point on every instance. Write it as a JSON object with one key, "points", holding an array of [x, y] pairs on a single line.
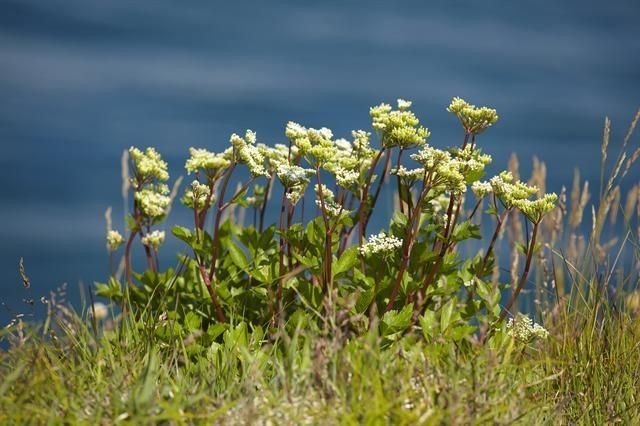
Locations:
{"points": [[398, 127], [149, 164], [381, 244], [292, 175], [523, 329], [212, 163], [447, 170], [346, 178], [153, 239], [474, 120], [295, 179], [196, 195], [249, 154], [277, 155], [114, 240], [332, 208], [153, 200], [480, 189], [315, 144]]}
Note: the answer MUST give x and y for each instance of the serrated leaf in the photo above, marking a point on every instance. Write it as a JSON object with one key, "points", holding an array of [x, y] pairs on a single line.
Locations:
{"points": [[394, 321]]}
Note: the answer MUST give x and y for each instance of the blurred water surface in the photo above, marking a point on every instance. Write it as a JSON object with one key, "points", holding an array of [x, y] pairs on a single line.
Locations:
{"points": [[82, 80]]}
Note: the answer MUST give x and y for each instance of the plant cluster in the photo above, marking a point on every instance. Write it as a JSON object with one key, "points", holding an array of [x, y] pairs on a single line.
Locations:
{"points": [[309, 268]]}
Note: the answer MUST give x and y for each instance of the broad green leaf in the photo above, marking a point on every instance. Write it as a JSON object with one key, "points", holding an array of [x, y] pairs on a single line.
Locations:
{"points": [[394, 321], [446, 313], [238, 256], [347, 261]]}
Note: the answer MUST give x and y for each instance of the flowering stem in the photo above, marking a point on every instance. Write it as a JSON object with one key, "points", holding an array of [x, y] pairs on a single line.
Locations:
{"points": [[216, 228], [212, 294], [501, 219], [150, 263], [411, 231], [263, 207], [475, 209], [363, 197], [399, 180], [328, 256], [523, 277], [278, 305], [377, 193]]}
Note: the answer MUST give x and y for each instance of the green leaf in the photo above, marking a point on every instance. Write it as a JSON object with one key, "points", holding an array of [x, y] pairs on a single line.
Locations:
{"points": [[394, 321], [183, 234], [347, 261], [192, 321], [238, 256], [447, 312]]}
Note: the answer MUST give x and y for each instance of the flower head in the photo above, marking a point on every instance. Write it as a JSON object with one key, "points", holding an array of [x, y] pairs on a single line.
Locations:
{"points": [[535, 210], [523, 329], [196, 195], [474, 120], [153, 239], [381, 244], [114, 240], [481, 189], [249, 154], [149, 164], [201, 159], [398, 127]]}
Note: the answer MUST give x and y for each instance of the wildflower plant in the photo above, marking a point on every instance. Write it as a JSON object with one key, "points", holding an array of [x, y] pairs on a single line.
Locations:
{"points": [[314, 260]]}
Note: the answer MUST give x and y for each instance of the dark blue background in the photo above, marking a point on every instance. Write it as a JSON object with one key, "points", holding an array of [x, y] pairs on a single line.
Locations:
{"points": [[82, 80]]}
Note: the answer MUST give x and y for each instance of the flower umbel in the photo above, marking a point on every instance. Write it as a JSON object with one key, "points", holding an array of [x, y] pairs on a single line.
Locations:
{"points": [[523, 329], [114, 240], [381, 244], [154, 239], [474, 120]]}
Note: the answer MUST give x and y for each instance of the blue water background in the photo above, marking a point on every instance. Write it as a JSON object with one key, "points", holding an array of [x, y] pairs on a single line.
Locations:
{"points": [[82, 80]]}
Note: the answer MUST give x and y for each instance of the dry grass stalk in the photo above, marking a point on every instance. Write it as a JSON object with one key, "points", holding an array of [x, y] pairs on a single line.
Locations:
{"points": [[126, 181], [579, 200], [632, 200], [539, 176], [615, 205]]}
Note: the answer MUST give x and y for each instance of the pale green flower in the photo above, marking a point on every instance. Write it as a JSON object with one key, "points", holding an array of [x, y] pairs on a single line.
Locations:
{"points": [[346, 178], [114, 240], [295, 179], [429, 157], [196, 195], [508, 190], [332, 208], [249, 154], [149, 164], [481, 189], [292, 175], [153, 203], [201, 159], [474, 120], [535, 210], [316, 145], [404, 105], [153, 239], [398, 127]]}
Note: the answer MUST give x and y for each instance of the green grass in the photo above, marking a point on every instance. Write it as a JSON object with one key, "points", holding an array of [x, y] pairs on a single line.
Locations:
{"points": [[587, 372]]}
